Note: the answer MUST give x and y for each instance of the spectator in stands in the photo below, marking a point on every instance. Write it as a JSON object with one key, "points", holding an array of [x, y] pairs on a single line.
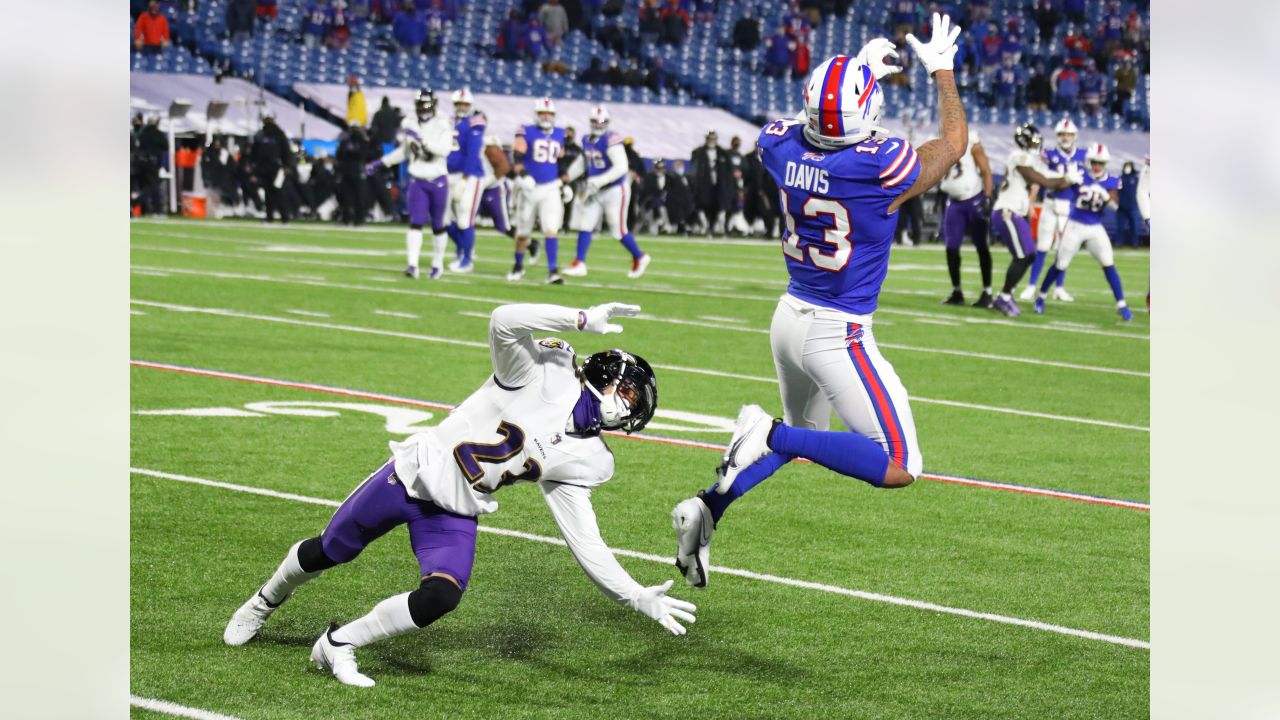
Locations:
{"points": [[272, 157], [979, 11], [151, 32], [1011, 42], [1078, 47], [905, 58], [801, 56], [555, 22], [989, 47], [385, 123], [658, 79], [906, 15], [1090, 88], [777, 54], [240, 20], [338, 36], [409, 29], [746, 32], [437, 17], [1047, 18], [1066, 89], [594, 74], [1008, 80], [1039, 89], [1126, 82], [1074, 11], [357, 109], [268, 10], [614, 75], [535, 40], [359, 12], [813, 11], [675, 23], [649, 21], [315, 23], [511, 36], [795, 20]]}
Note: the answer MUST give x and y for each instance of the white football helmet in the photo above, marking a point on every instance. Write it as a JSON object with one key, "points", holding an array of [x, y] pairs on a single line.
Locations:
{"points": [[1066, 129], [599, 118], [1097, 154], [464, 98], [842, 103], [543, 106]]}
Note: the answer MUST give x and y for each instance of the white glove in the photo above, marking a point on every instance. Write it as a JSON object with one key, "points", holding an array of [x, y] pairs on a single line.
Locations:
{"points": [[596, 318], [873, 54], [589, 192], [653, 601], [1074, 176], [938, 53], [566, 194]]}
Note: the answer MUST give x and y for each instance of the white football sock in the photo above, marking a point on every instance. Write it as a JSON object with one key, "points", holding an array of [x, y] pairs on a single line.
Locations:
{"points": [[389, 618], [287, 578], [987, 289], [440, 242], [414, 241]]}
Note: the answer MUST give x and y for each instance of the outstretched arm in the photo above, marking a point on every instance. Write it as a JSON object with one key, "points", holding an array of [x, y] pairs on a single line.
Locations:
{"points": [[511, 327], [1035, 177]]}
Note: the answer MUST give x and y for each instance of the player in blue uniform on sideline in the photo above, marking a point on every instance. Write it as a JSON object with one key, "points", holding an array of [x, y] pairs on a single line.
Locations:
{"points": [[1061, 160], [466, 177], [537, 149], [1084, 227], [841, 180]]}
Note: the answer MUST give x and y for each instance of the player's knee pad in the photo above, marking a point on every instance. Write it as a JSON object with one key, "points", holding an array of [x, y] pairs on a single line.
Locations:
{"points": [[438, 230], [434, 598], [311, 557], [415, 226]]}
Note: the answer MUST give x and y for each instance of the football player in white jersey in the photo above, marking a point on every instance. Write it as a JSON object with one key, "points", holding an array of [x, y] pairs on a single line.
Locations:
{"points": [[1056, 206], [968, 189], [1022, 171], [425, 141], [537, 419]]}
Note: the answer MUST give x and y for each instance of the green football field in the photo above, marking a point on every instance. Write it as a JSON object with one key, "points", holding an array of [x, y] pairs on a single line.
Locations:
{"points": [[271, 366]]}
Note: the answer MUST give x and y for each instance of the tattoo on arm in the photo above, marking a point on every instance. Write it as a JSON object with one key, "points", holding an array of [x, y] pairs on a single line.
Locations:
{"points": [[938, 155]]}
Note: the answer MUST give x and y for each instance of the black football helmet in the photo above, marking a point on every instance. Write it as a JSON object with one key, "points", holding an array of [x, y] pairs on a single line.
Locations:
{"points": [[1027, 136], [424, 103], [634, 376]]}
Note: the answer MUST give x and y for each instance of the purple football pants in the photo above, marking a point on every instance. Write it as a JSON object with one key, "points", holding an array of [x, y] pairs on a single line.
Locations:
{"points": [[1014, 232], [428, 200], [963, 217]]}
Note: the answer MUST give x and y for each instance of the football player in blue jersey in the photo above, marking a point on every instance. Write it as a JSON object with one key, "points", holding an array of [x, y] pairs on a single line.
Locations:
{"points": [[537, 150], [1084, 227], [841, 180], [1062, 160], [466, 177]]}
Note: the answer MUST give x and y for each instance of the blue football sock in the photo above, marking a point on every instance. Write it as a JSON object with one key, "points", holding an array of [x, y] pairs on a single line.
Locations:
{"points": [[747, 479], [1049, 279], [452, 232], [1036, 266], [520, 260], [584, 244], [1062, 277], [551, 247], [629, 242], [1113, 279], [847, 453], [466, 243]]}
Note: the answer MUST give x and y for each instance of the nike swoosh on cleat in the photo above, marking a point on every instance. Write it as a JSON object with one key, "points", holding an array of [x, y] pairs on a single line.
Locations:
{"points": [[731, 456]]}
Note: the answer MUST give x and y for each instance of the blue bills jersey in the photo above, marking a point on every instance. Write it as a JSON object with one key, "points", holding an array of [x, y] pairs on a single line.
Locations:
{"points": [[1091, 199], [1058, 162], [544, 150], [468, 144], [835, 207], [595, 151]]}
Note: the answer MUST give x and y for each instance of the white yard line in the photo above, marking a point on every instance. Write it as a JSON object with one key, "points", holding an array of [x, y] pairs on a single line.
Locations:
{"points": [[666, 560], [944, 323], [165, 707], [393, 313], [621, 288], [308, 313], [219, 312]]}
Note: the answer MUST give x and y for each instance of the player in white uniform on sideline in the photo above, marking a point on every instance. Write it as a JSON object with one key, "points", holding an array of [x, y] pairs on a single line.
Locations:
{"points": [[841, 180], [607, 191], [537, 150], [538, 419], [1056, 207], [425, 141], [1084, 228], [968, 190]]}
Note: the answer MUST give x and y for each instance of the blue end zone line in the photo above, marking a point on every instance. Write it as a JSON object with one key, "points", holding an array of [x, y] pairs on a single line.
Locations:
{"points": [[951, 479]]}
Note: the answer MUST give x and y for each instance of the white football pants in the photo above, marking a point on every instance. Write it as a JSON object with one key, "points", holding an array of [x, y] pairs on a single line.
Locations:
{"points": [[546, 204], [1052, 223], [612, 202], [464, 200], [1092, 237]]}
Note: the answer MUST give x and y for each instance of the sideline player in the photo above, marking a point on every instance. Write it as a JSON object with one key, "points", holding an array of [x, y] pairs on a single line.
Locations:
{"points": [[536, 149], [968, 189], [1056, 206], [537, 419], [466, 177], [425, 141], [607, 190], [1009, 222], [1098, 191], [841, 180]]}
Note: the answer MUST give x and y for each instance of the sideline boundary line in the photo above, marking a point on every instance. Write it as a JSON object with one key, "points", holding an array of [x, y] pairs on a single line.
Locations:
{"points": [[763, 577], [366, 395]]}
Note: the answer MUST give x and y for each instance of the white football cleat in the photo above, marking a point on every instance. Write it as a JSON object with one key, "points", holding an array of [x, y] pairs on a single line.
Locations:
{"points": [[750, 443], [694, 526], [1060, 293], [457, 267], [340, 658], [411, 272], [248, 620], [576, 269], [638, 266], [515, 274], [1028, 293]]}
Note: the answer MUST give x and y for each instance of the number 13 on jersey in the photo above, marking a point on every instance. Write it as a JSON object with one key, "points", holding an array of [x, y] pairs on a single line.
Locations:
{"points": [[836, 235]]}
